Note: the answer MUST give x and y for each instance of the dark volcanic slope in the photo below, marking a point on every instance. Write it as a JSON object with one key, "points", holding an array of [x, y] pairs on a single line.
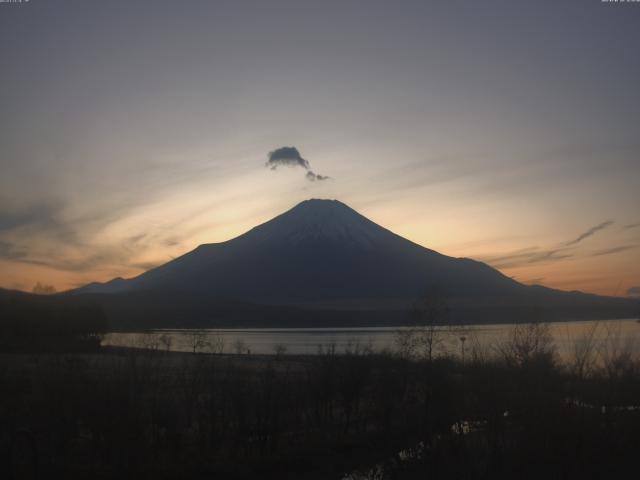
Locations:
{"points": [[323, 254], [320, 250]]}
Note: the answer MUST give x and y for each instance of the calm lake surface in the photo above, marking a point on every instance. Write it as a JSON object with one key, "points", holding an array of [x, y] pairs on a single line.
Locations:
{"points": [[607, 335]]}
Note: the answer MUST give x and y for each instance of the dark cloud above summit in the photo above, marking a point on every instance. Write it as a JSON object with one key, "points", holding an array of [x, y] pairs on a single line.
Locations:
{"points": [[634, 292], [290, 157], [312, 177], [286, 156]]}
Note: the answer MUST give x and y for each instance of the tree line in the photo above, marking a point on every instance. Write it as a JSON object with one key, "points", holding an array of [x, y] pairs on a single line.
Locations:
{"points": [[47, 323]]}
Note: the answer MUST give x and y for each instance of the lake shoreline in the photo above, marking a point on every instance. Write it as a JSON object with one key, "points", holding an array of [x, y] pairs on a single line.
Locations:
{"points": [[357, 326], [452, 340]]}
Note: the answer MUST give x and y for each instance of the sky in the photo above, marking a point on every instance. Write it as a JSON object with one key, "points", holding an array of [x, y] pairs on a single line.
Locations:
{"points": [[505, 131]]}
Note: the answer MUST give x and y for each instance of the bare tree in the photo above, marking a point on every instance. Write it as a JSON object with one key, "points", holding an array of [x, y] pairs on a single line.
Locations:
{"points": [[197, 340], [216, 344], [166, 340], [527, 342], [240, 346], [280, 349], [431, 315], [583, 354], [616, 352], [406, 341], [475, 349], [329, 349], [149, 341]]}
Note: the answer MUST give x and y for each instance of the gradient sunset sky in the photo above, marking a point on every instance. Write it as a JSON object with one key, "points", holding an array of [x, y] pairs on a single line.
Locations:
{"points": [[505, 131]]}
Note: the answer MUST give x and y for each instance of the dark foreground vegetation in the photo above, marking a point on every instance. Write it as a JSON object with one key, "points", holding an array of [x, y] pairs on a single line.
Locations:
{"points": [[512, 412], [49, 323]]}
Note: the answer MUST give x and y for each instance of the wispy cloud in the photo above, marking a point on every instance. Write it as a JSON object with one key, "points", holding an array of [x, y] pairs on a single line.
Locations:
{"points": [[145, 265], [528, 256], [37, 214], [590, 232], [534, 254], [610, 251], [9, 251], [54, 244], [99, 258]]}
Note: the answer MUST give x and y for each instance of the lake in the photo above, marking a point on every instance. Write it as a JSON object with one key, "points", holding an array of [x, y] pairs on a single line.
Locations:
{"points": [[606, 334]]}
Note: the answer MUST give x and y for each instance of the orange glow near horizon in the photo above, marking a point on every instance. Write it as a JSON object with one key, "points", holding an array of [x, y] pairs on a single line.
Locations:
{"points": [[587, 266]]}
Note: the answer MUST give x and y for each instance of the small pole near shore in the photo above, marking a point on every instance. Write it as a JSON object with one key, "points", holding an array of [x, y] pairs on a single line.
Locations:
{"points": [[462, 340]]}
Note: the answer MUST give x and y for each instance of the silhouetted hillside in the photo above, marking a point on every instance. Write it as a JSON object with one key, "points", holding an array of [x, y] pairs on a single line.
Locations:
{"points": [[323, 263], [52, 323]]}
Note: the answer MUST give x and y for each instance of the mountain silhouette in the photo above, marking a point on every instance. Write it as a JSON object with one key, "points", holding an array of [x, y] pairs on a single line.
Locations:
{"points": [[319, 250], [324, 256]]}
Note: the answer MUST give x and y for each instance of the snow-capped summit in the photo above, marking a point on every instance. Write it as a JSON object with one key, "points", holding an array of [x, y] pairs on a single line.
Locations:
{"points": [[321, 220]]}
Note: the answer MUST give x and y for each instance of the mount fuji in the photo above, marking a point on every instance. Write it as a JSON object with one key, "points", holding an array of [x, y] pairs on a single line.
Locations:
{"points": [[322, 263]]}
